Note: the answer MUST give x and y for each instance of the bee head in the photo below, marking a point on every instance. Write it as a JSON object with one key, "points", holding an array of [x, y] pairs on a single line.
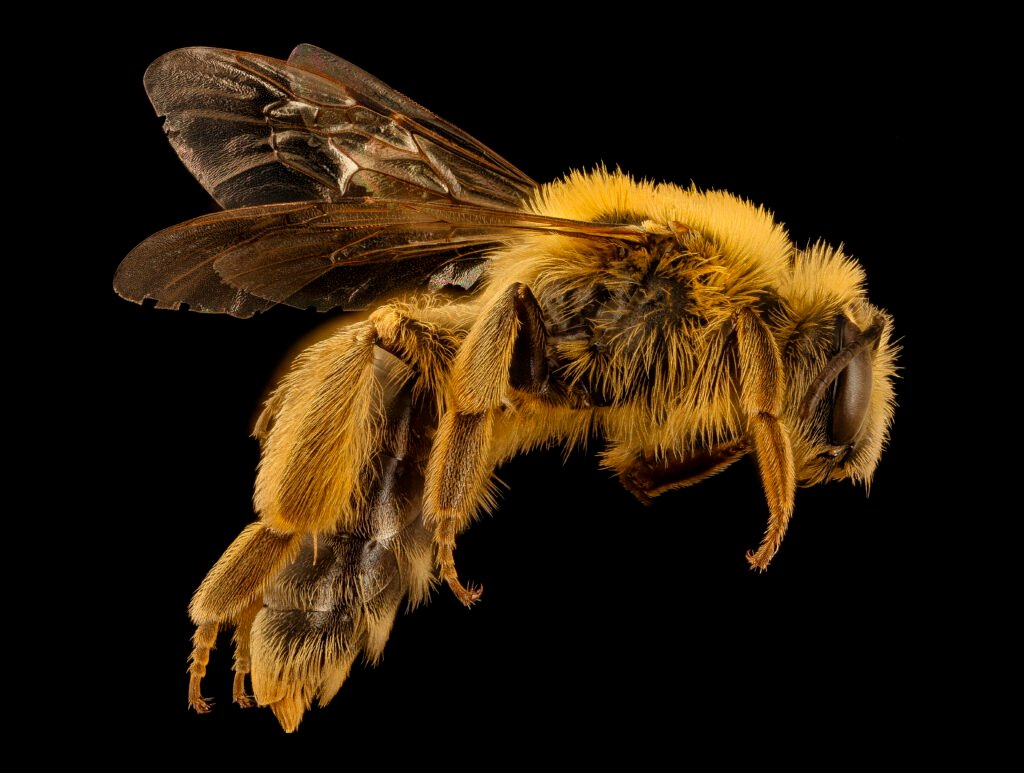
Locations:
{"points": [[840, 397]]}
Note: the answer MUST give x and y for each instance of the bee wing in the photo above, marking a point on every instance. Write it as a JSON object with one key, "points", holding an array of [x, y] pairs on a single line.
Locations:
{"points": [[255, 130], [324, 254]]}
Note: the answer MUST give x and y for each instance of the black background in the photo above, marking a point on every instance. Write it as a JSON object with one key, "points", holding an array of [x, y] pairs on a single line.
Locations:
{"points": [[598, 614]]}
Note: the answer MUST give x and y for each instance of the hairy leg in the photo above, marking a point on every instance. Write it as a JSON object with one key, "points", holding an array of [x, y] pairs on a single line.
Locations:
{"points": [[761, 390], [504, 350], [336, 440]]}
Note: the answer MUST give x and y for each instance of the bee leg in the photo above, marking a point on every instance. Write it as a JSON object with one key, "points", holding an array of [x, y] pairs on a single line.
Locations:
{"points": [[338, 599], [243, 660], [646, 476], [457, 480], [761, 389], [203, 640], [529, 371], [230, 588], [328, 422], [339, 447], [504, 350]]}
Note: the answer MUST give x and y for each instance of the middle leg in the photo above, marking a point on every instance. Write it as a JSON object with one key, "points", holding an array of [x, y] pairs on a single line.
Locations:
{"points": [[504, 351]]}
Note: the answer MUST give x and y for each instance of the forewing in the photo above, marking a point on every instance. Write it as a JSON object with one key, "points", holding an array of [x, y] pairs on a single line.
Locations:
{"points": [[322, 255], [255, 130]]}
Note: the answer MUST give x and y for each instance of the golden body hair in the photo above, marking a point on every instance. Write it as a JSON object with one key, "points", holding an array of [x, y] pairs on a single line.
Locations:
{"points": [[678, 328]]}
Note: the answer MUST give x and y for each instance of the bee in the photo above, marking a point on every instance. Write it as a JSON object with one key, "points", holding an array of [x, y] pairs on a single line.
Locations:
{"points": [[681, 328]]}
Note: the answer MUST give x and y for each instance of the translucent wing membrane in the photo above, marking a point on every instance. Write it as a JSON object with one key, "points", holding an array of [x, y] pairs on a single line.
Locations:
{"points": [[255, 130], [322, 255], [327, 174]]}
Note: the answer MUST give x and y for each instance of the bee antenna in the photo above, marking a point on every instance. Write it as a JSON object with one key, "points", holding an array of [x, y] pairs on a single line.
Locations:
{"points": [[835, 366]]}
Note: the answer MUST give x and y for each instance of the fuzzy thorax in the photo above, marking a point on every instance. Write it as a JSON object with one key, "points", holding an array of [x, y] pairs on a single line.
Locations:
{"points": [[645, 328]]}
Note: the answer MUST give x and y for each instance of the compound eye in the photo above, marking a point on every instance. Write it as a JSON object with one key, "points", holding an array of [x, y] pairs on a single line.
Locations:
{"points": [[852, 389]]}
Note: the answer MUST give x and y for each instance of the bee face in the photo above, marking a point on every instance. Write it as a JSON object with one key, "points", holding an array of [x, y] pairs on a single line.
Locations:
{"points": [[841, 392]]}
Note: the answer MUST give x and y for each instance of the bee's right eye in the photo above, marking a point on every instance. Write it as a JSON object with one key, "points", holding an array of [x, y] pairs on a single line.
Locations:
{"points": [[852, 389]]}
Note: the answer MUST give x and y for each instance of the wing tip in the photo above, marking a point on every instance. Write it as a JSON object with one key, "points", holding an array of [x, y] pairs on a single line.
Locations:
{"points": [[177, 60], [303, 48]]}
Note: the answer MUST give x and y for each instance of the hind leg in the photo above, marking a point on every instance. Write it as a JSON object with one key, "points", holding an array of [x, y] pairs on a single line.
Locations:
{"points": [[320, 432], [243, 655], [231, 588]]}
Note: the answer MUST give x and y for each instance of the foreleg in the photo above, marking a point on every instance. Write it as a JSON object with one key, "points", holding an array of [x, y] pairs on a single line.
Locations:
{"points": [[761, 391], [761, 387], [646, 476]]}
